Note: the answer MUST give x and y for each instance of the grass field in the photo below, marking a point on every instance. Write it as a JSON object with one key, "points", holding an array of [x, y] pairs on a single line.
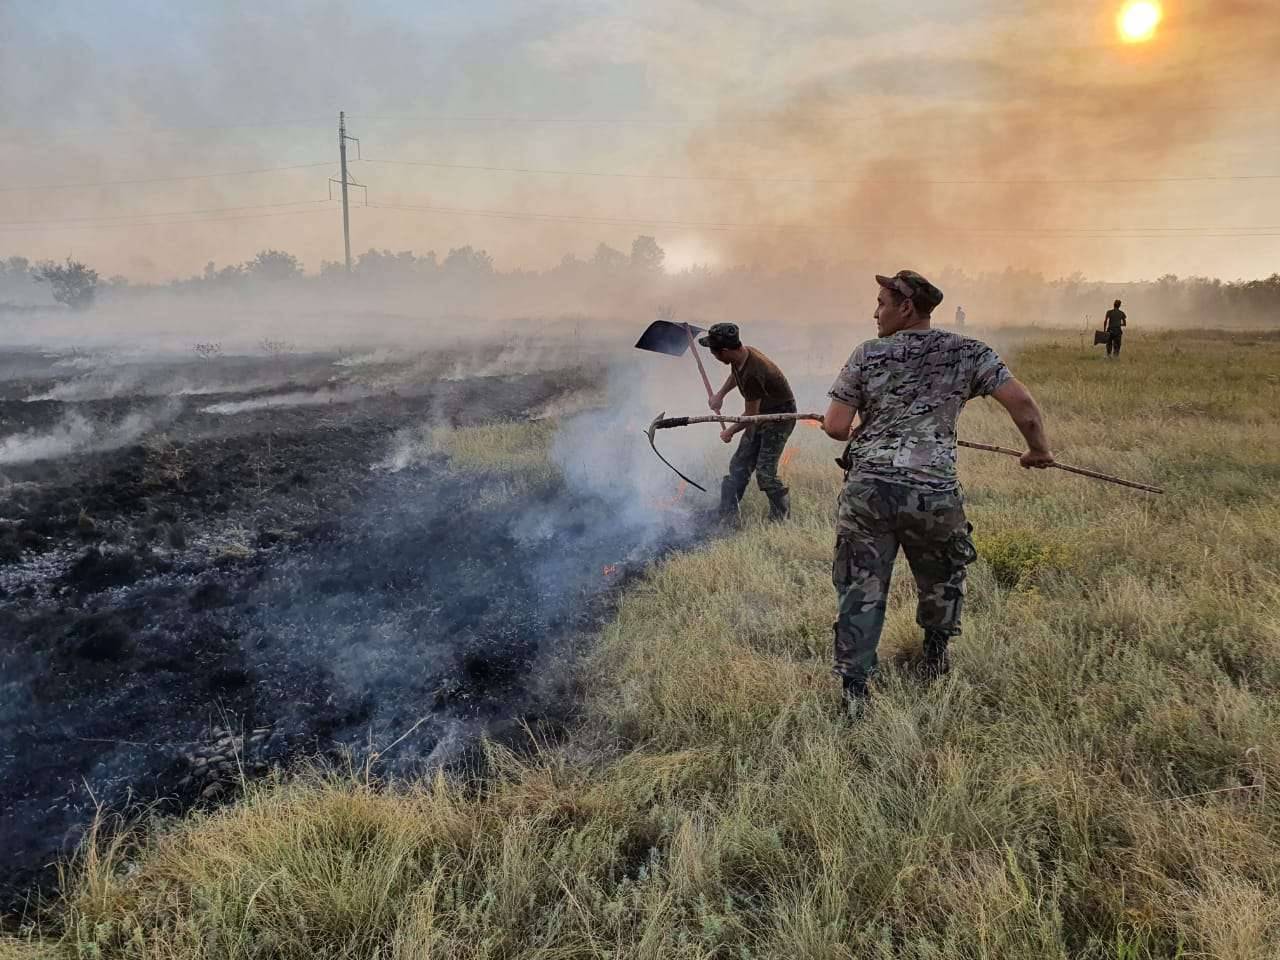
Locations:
{"points": [[1099, 776]]}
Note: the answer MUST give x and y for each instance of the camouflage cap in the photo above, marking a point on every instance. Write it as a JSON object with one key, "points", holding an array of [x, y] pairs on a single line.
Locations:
{"points": [[914, 287], [722, 336]]}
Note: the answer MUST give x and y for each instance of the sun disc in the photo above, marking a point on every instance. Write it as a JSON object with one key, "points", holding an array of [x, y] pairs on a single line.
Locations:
{"points": [[1137, 21]]}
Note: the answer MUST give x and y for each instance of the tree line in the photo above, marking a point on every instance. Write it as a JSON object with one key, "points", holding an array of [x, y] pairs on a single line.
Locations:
{"points": [[1008, 296]]}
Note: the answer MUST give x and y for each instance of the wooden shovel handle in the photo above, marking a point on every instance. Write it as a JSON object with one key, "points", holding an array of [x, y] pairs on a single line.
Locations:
{"points": [[693, 344]]}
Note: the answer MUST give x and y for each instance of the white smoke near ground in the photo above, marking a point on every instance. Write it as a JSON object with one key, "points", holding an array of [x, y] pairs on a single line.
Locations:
{"points": [[136, 383], [83, 361], [600, 447], [516, 356], [414, 445], [410, 447], [604, 452], [92, 387], [374, 358], [569, 405], [76, 434], [309, 398]]}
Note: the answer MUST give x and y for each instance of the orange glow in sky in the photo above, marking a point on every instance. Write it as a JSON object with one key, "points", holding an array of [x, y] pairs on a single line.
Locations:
{"points": [[1137, 21]]}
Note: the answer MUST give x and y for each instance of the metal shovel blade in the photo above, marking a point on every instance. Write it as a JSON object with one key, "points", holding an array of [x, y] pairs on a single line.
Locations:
{"points": [[666, 336]]}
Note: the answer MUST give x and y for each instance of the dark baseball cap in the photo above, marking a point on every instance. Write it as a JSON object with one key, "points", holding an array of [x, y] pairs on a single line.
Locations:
{"points": [[722, 336], [914, 287]]}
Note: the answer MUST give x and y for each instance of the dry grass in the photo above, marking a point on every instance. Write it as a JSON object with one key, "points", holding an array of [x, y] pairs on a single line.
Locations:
{"points": [[509, 446], [512, 455], [1100, 776]]}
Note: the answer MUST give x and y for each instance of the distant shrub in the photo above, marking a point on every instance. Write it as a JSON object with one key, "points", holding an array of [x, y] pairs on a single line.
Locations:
{"points": [[71, 283], [208, 351]]}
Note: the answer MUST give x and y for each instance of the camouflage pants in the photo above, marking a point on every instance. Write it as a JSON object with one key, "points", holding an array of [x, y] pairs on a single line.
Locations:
{"points": [[1115, 339], [759, 451], [875, 518]]}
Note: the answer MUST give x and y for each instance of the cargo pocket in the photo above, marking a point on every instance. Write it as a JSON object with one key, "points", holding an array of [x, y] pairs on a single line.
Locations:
{"points": [[842, 565], [960, 546]]}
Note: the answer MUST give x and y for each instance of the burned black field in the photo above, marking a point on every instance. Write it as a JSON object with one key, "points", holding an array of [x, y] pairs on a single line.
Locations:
{"points": [[208, 572]]}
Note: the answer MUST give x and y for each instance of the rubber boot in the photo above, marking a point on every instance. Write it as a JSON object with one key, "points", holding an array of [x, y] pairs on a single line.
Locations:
{"points": [[780, 506], [936, 663]]}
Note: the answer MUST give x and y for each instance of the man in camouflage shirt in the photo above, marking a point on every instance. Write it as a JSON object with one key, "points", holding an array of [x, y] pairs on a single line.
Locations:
{"points": [[895, 403]]}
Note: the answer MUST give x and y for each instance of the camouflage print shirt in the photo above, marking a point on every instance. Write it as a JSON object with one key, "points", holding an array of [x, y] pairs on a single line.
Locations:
{"points": [[908, 390]]}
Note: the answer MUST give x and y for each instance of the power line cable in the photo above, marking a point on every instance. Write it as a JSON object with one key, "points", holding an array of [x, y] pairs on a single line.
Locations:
{"points": [[700, 178], [192, 176], [157, 214], [60, 133], [1028, 233], [159, 223], [783, 114], [559, 121]]}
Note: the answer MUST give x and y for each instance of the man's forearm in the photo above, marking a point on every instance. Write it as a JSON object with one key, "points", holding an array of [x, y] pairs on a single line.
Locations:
{"points": [[1025, 414], [725, 390], [1027, 418], [751, 409]]}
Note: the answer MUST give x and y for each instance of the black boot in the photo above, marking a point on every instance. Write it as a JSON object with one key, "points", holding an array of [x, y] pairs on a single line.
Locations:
{"points": [[936, 662], [730, 496], [780, 506]]}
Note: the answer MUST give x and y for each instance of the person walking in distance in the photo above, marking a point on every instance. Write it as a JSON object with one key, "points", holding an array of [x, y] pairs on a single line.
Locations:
{"points": [[959, 318], [1116, 321], [895, 405], [764, 389]]}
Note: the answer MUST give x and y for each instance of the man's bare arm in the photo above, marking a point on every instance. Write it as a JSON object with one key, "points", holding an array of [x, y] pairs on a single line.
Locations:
{"points": [[838, 421], [750, 409], [1025, 413], [717, 399]]}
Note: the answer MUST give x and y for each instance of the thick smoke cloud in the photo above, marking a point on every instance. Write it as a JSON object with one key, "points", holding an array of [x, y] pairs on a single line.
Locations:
{"points": [[1024, 99], [868, 91]]}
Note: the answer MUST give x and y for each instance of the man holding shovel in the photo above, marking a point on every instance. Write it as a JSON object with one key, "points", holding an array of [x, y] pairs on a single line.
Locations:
{"points": [[895, 405], [764, 388]]}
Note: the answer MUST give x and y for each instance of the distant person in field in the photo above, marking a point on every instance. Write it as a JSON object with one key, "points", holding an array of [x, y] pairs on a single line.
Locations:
{"points": [[959, 318], [1116, 321], [895, 405], [765, 389]]}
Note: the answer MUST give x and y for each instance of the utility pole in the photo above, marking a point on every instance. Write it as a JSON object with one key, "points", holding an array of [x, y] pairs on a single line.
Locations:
{"points": [[346, 213], [346, 181]]}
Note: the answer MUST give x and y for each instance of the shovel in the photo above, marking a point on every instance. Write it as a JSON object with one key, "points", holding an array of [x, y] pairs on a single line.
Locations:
{"points": [[671, 338]]}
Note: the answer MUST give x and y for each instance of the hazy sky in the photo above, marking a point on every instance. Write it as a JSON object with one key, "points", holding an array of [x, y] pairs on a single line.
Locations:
{"points": [[968, 134]]}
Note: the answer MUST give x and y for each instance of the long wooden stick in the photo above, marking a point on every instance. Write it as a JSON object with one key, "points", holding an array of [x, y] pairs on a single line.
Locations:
{"points": [[693, 346], [1008, 452], [661, 422]]}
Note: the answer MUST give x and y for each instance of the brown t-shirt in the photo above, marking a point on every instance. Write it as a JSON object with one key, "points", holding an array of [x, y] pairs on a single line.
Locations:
{"points": [[759, 378]]}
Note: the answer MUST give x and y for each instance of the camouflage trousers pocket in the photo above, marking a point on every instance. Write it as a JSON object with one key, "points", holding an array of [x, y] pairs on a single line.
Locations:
{"points": [[842, 565], [960, 546]]}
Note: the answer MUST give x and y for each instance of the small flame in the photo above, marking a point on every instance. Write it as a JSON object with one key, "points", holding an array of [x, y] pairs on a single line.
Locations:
{"points": [[669, 503], [787, 456], [610, 569], [811, 424]]}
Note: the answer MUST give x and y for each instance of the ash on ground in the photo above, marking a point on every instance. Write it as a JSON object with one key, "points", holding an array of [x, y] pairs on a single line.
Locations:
{"points": [[203, 577]]}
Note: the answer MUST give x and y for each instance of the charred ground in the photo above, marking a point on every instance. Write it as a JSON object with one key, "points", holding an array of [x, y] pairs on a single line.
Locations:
{"points": [[239, 566]]}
